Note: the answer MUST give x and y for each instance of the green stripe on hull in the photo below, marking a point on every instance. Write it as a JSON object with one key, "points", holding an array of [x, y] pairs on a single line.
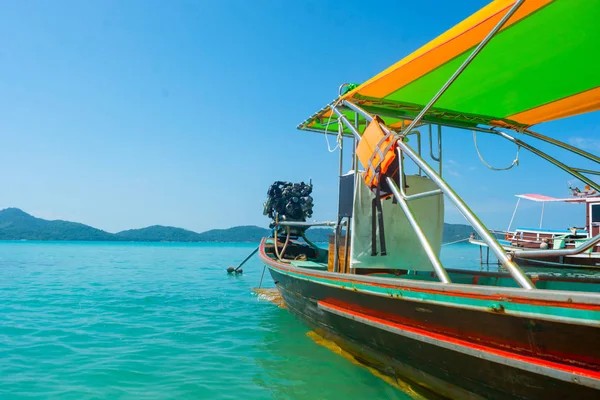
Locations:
{"points": [[569, 315]]}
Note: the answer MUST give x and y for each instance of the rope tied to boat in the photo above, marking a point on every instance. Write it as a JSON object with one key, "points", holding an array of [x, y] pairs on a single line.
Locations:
{"points": [[513, 164], [340, 129], [287, 240], [456, 241]]}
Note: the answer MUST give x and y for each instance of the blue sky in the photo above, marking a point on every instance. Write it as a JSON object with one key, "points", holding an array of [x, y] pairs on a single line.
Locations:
{"points": [[123, 114]]}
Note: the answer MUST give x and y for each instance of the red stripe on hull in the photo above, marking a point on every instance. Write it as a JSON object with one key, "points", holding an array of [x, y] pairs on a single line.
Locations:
{"points": [[466, 344], [586, 362]]}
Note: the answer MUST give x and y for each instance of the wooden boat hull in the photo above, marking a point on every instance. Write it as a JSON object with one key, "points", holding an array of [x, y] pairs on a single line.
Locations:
{"points": [[459, 352]]}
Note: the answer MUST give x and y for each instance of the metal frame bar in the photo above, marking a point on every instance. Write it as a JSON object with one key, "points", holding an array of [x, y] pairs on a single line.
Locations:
{"points": [[350, 220], [562, 145], [483, 232], [418, 133], [513, 216], [418, 195], [441, 150], [464, 65], [586, 171], [552, 160], [433, 157], [347, 244], [590, 221], [439, 145], [402, 184], [440, 271], [354, 143], [336, 245], [338, 230]]}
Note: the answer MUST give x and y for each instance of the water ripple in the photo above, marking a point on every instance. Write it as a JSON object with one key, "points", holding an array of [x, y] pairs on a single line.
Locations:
{"points": [[155, 321]]}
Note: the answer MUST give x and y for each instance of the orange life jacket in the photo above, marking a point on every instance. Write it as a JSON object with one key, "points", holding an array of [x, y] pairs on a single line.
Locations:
{"points": [[376, 152]]}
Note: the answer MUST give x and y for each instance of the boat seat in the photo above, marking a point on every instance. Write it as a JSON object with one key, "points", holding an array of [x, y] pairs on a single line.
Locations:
{"points": [[559, 242]]}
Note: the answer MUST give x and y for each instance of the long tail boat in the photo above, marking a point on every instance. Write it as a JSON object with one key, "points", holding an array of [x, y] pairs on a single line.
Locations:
{"points": [[523, 239], [380, 290]]}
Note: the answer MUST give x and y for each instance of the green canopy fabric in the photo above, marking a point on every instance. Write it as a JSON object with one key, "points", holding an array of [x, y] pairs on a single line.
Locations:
{"points": [[542, 65]]}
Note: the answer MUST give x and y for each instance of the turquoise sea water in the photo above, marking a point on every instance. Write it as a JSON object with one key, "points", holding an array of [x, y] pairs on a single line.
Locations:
{"points": [[160, 321]]}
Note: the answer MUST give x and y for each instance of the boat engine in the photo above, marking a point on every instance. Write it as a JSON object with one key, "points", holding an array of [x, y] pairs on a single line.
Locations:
{"points": [[287, 201]]}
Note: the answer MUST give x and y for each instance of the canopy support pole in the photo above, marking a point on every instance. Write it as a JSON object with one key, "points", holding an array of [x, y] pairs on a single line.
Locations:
{"points": [[552, 160], [349, 239], [562, 145], [513, 216], [586, 171], [464, 65], [440, 271], [354, 143], [338, 230], [439, 145], [440, 148]]}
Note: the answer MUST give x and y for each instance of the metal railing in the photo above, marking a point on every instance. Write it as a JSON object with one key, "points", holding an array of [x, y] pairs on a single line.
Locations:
{"points": [[582, 248]]}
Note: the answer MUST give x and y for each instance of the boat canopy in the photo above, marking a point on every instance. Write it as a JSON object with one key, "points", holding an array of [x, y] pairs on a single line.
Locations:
{"points": [[545, 199], [542, 65]]}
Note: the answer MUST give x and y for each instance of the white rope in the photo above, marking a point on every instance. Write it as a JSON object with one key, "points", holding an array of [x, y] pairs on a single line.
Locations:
{"points": [[514, 163], [339, 135], [461, 240]]}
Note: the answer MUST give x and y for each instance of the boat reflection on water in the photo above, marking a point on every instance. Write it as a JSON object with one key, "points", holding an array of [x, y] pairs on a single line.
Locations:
{"points": [[298, 369]]}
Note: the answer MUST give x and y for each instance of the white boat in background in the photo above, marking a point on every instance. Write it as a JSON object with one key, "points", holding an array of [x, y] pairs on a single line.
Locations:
{"points": [[521, 240]]}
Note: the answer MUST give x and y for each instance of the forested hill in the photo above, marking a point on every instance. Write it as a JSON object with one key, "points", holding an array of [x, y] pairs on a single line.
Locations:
{"points": [[16, 224]]}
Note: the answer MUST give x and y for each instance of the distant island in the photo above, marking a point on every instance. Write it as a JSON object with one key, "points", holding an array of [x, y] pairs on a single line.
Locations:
{"points": [[16, 224]]}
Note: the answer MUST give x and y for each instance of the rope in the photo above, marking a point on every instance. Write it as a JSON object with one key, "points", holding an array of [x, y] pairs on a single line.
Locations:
{"points": [[514, 163], [457, 241], [287, 239], [339, 135], [262, 276]]}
